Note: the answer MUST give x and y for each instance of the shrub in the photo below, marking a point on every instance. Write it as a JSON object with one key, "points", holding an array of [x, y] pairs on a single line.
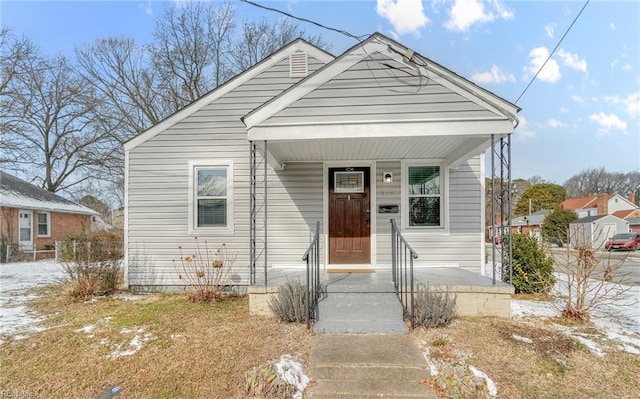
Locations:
{"points": [[84, 244], [434, 308], [205, 272], [556, 224], [95, 267], [264, 382], [290, 303], [532, 267]]}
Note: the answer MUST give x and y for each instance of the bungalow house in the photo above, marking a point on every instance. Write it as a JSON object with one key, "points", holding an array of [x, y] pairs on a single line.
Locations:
{"points": [[377, 133], [530, 225], [33, 219]]}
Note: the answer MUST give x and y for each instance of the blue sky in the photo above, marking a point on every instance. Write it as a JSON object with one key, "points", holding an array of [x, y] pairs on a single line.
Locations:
{"points": [[583, 111]]}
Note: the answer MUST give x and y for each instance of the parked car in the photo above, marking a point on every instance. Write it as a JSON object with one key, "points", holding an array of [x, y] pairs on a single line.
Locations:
{"points": [[628, 241]]}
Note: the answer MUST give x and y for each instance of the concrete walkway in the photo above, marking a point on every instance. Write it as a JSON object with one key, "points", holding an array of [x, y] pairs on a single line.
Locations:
{"points": [[367, 366]]}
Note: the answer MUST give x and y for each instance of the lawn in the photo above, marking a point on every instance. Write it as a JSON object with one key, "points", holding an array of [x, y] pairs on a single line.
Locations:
{"points": [[163, 346]]}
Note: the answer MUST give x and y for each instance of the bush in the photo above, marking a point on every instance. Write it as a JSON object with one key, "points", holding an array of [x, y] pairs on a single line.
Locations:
{"points": [[95, 267], [83, 245], [532, 267], [434, 308], [205, 273], [290, 303], [556, 225]]}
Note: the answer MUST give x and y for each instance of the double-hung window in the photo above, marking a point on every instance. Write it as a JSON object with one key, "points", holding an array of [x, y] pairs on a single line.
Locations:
{"points": [[44, 224], [212, 196], [423, 196]]}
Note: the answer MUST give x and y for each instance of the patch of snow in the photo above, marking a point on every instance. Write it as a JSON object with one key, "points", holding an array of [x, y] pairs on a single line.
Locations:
{"points": [[617, 318], [176, 336], [292, 373], [493, 390], [17, 279], [522, 339], [86, 329], [15, 199], [134, 345]]}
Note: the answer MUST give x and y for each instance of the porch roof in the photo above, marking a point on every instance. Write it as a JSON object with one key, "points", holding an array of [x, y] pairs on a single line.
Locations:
{"points": [[380, 100]]}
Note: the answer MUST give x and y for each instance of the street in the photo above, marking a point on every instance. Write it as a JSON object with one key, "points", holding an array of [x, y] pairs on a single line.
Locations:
{"points": [[626, 265]]}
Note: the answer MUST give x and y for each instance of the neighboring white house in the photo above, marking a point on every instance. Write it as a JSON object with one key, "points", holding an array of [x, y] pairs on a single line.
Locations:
{"points": [[379, 132], [596, 230], [597, 205]]}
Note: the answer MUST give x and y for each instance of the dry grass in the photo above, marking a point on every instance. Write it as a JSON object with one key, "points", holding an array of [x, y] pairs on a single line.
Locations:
{"points": [[553, 366], [193, 350]]}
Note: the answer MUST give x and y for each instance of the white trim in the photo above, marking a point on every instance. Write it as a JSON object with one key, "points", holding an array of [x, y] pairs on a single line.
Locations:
{"points": [[217, 163], [371, 129], [483, 216], [372, 206], [126, 220], [48, 234], [31, 241], [298, 45], [444, 196]]}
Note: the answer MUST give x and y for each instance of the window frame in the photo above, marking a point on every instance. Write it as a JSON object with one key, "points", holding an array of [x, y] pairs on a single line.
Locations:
{"points": [[194, 166], [48, 216], [444, 206]]}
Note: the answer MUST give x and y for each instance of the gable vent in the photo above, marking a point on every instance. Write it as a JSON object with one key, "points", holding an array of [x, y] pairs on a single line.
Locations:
{"points": [[298, 64]]}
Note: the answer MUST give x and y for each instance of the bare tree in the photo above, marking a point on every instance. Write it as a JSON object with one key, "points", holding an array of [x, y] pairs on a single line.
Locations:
{"points": [[190, 47], [589, 276], [48, 110], [600, 181], [260, 39]]}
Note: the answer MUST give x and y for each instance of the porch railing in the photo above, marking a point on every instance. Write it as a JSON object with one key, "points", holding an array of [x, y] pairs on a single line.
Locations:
{"points": [[402, 256], [312, 257]]}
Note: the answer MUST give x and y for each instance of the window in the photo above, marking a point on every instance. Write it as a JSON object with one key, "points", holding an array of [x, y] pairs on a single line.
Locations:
{"points": [[349, 182], [424, 196], [212, 201], [44, 224]]}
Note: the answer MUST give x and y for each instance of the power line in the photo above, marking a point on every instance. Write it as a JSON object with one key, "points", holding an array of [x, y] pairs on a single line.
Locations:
{"points": [[343, 32], [552, 52]]}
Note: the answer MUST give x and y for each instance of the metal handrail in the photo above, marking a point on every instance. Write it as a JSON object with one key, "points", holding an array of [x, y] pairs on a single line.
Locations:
{"points": [[402, 273], [312, 257]]}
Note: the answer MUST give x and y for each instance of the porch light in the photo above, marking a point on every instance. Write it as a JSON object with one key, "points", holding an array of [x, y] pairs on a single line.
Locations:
{"points": [[387, 177]]}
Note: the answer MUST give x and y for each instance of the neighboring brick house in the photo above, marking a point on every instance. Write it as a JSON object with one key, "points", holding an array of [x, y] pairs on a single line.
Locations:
{"points": [[31, 217]]}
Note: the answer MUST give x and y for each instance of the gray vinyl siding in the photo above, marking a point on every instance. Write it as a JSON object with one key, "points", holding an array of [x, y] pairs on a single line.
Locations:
{"points": [[462, 245], [295, 204], [370, 91], [158, 186]]}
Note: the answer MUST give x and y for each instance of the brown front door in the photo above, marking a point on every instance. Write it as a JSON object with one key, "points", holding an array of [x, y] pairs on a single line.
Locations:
{"points": [[349, 216]]}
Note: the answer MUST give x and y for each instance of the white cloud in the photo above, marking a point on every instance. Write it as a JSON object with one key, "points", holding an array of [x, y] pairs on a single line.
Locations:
{"points": [[406, 16], [612, 26], [550, 29], [572, 60], [550, 72], [554, 123], [627, 67], [466, 13], [578, 99], [607, 123], [524, 132], [630, 102], [564, 110], [495, 75]]}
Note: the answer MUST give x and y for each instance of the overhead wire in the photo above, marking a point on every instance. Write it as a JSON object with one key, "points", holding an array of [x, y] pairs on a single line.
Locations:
{"points": [[552, 52]]}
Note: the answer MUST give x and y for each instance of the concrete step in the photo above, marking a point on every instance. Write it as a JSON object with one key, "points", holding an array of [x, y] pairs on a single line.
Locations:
{"points": [[366, 389], [367, 366], [358, 313]]}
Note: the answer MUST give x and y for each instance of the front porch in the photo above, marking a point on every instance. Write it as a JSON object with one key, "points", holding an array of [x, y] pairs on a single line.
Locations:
{"points": [[368, 301]]}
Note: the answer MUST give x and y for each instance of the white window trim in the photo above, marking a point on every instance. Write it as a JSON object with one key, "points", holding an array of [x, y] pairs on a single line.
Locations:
{"points": [[193, 227], [48, 224], [444, 202]]}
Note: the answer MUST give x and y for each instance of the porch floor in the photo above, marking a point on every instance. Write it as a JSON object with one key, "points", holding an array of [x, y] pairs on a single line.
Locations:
{"points": [[369, 301]]}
